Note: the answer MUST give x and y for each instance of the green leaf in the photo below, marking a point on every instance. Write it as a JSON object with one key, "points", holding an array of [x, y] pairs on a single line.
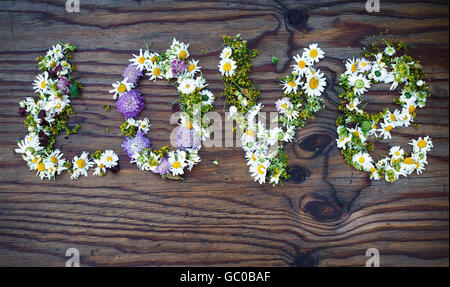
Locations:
{"points": [[74, 91], [365, 126]]}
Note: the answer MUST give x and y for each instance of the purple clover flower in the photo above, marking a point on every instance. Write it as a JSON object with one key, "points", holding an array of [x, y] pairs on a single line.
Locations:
{"points": [[132, 73], [130, 104], [188, 138], [135, 145], [63, 85], [163, 167], [178, 67]]}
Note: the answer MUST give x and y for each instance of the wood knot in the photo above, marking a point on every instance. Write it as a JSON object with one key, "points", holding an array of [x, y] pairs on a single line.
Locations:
{"points": [[315, 142], [297, 17], [298, 174], [304, 260], [322, 211]]}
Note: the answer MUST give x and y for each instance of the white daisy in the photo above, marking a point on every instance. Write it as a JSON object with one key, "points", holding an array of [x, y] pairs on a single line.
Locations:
{"points": [[385, 130], [364, 65], [144, 125], [353, 105], [342, 142], [259, 170], [109, 158], [283, 104], [207, 97], [141, 60], [180, 49], [193, 67], [42, 83], [177, 160], [351, 66], [302, 64], [315, 84], [226, 53], [291, 86], [81, 165], [155, 71], [360, 83], [227, 67], [29, 145], [314, 53], [120, 88], [396, 153], [187, 86], [357, 133], [422, 144], [101, 168], [363, 160]]}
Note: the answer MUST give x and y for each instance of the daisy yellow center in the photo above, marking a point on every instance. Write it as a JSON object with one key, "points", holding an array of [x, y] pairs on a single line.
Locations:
{"points": [[153, 59], [253, 157], [313, 53], [388, 128], [363, 64], [362, 160], [372, 170], [183, 55], [176, 164], [227, 54], [313, 83], [156, 71], [292, 84], [101, 165], [397, 153], [422, 144], [141, 60], [352, 105], [250, 133], [52, 64], [109, 158], [54, 159], [261, 169], [356, 134], [43, 84], [411, 109], [41, 167], [81, 163], [191, 67], [284, 105], [58, 106], [354, 68], [393, 118], [301, 64], [342, 139], [121, 88], [408, 161], [35, 160], [227, 67]]}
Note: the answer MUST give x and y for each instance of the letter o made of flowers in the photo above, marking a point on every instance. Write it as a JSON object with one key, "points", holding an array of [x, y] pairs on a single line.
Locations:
{"points": [[301, 100], [383, 62], [47, 116], [194, 101]]}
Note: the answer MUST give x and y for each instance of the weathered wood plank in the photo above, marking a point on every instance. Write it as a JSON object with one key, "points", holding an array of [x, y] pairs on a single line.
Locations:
{"points": [[218, 216]]}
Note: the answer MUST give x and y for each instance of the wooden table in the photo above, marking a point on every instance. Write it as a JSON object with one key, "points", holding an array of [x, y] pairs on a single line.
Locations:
{"points": [[327, 215]]}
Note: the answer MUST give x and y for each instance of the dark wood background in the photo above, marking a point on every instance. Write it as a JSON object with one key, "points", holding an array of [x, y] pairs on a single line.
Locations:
{"points": [[327, 215]]}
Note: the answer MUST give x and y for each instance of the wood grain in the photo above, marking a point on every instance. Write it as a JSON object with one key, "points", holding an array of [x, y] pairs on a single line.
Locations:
{"points": [[327, 215]]}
